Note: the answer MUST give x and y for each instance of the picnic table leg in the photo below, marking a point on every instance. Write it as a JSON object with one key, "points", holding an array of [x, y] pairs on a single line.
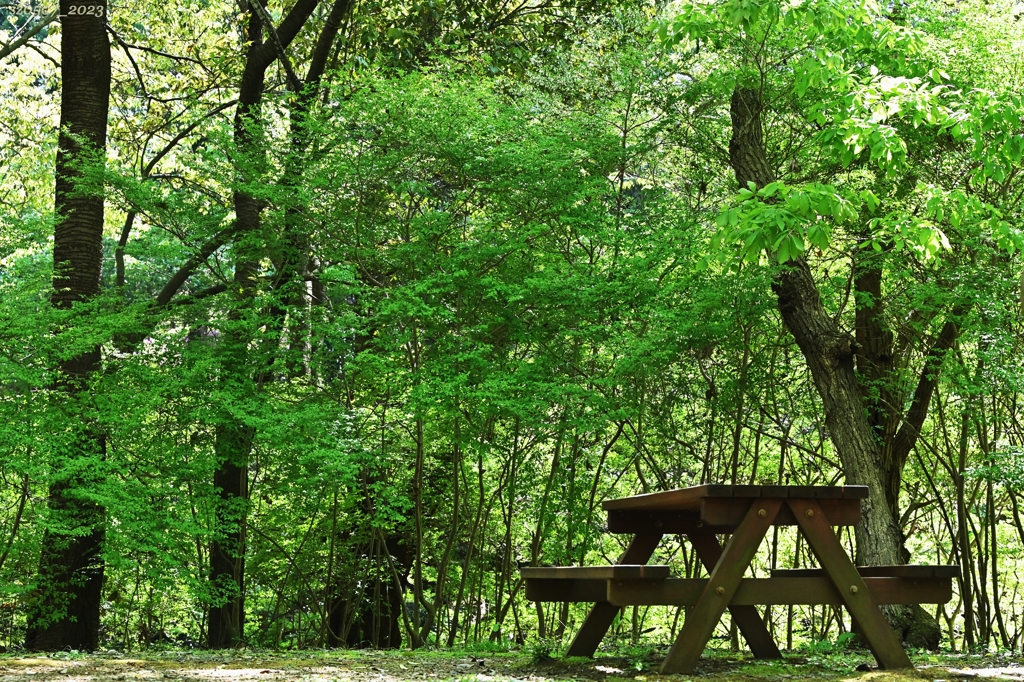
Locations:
{"points": [[601, 615], [724, 579], [882, 641], [747, 619]]}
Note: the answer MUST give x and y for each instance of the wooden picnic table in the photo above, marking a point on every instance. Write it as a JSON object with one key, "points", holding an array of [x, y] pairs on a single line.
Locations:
{"points": [[746, 512]]}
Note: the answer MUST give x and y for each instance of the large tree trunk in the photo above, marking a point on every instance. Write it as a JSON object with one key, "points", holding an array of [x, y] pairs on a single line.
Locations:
{"points": [[870, 448], [65, 610], [226, 623], [829, 353]]}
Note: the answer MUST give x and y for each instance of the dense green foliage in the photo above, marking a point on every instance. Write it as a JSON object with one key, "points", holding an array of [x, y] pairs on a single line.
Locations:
{"points": [[503, 272]]}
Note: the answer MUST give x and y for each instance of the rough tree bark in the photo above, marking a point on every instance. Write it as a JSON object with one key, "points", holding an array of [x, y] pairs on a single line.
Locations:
{"points": [[64, 613], [871, 433], [879, 353]]}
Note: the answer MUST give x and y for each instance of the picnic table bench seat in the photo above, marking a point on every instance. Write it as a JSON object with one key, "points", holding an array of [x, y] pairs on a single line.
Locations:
{"points": [[620, 571], [900, 571], [638, 585], [584, 583]]}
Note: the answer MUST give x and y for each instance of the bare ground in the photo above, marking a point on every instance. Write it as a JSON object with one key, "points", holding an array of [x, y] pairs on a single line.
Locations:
{"points": [[426, 666]]}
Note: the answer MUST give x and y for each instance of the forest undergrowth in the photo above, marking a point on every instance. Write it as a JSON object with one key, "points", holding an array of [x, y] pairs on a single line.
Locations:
{"points": [[319, 320], [475, 665]]}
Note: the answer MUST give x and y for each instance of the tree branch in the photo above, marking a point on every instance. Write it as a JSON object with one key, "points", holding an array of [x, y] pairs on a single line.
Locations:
{"points": [[185, 271], [200, 295], [322, 51], [929, 379], [285, 33], [43, 22], [131, 59], [130, 218], [159, 53], [183, 134], [293, 80]]}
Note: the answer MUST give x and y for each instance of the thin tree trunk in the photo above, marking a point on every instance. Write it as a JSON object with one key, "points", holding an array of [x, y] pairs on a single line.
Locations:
{"points": [[470, 545], [18, 516], [417, 498], [234, 438], [441, 585]]}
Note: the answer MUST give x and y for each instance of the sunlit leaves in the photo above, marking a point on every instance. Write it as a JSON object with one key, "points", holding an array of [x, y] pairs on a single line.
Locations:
{"points": [[850, 68], [786, 220], [842, 24]]}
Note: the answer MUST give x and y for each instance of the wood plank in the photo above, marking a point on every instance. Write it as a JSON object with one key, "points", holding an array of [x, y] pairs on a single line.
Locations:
{"points": [[621, 571], [826, 492], [902, 571], [910, 590], [661, 521], [948, 572], [855, 492], [681, 498], [778, 591], [689, 498], [724, 579], [601, 615], [910, 571], [670, 592], [729, 511], [559, 590], [800, 572], [882, 641], [747, 619], [818, 491]]}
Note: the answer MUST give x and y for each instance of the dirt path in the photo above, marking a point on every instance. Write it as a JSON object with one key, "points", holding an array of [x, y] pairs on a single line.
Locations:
{"points": [[341, 666], [101, 669], [425, 666]]}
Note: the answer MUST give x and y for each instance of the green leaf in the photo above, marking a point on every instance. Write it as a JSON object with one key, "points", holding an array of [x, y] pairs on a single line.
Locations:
{"points": [[782, 253]]}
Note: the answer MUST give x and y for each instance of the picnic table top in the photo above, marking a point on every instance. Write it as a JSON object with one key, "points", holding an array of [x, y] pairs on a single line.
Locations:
{"points": [[690, 498]]}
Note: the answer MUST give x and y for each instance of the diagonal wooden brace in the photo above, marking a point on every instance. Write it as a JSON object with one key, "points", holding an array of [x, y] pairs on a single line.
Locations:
{"points": [[601, 615], [724, 579], [882, 641], [747, 619]]}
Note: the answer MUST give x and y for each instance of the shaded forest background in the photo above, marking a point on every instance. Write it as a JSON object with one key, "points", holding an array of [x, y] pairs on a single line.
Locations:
{"points": [[381, 300]]}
